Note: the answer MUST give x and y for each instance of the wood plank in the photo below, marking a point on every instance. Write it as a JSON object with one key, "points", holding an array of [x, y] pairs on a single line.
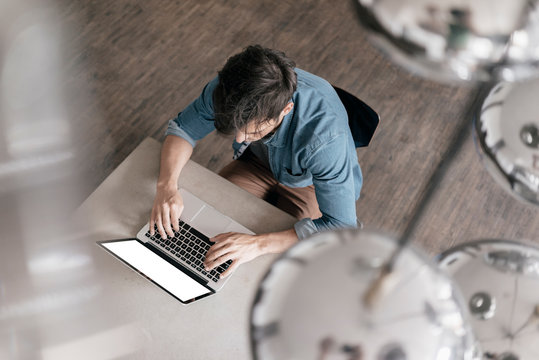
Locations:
{"points": [[134, 65]]}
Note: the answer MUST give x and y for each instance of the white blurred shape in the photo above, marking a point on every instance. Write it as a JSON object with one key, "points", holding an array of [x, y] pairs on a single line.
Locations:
{"points": [[30, 138], [34, 163], [52, 301], [481, 47], [31, 97], [57, 261], [109, 344], [444, 354], [31, 64]]}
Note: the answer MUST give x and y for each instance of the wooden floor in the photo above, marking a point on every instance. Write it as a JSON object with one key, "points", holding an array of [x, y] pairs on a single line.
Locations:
{"points": [[136, 64]]}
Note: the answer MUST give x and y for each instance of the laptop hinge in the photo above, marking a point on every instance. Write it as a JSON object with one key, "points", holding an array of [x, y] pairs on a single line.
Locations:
{"points": [[176, 264]]}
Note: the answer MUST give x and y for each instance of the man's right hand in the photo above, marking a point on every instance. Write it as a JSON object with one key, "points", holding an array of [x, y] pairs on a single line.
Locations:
{"points": [[166, 211]]}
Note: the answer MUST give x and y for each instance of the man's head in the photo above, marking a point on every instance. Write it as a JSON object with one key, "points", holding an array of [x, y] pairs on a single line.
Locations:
{"points": [[254, 92]]}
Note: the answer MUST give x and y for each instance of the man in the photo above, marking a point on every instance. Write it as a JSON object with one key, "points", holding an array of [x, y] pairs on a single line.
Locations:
{"points": [[293, 147]]}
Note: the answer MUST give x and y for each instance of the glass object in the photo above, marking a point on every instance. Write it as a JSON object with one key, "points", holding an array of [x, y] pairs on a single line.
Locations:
{"points": [[455, 40], [507, 272], [508, 136], [310, 304]]}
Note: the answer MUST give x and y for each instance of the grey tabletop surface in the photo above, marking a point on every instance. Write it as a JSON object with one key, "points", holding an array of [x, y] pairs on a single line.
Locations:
{"points": [[216, 327]]}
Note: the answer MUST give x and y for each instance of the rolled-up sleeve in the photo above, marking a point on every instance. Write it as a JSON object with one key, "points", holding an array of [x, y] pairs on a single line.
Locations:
{"points": [[197, 119], [337, 181]]}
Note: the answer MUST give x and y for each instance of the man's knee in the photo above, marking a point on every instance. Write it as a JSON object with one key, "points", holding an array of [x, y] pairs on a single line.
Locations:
{"points": [[240, 174]]}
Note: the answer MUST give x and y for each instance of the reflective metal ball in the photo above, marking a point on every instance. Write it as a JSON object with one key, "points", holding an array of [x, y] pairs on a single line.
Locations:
{"points": [[508, 136], [457, 40]]}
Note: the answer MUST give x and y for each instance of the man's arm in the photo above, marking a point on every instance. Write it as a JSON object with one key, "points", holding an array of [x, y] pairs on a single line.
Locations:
{"points": [[242, 248], [337, 181], [168, 203], [192, 124]]}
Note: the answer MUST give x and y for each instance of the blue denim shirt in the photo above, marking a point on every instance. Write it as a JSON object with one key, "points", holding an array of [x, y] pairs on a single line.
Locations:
{"points": [[312, 146]]}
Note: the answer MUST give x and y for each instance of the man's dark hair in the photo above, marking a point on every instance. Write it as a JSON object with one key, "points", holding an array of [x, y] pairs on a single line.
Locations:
{"points": [[254, 85]]}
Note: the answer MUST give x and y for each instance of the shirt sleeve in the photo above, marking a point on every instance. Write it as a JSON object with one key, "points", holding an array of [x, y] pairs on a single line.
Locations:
{"points": [[337, 181], [197, 119]]}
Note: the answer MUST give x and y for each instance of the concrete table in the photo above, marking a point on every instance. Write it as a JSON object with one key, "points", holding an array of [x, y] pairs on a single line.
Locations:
{"points": [[216, 327]]}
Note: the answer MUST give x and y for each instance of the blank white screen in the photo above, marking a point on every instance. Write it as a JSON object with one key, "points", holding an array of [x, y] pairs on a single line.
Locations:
{"points": [[157, 269]]}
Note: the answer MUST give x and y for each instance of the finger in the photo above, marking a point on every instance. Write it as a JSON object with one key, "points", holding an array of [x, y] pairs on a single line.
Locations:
{"points": [[180, 209], [216, 259], [217, 250], [152, 223], [230, 269], [175, 218], [160, 228], [221, 237], [211, 264], [219, 246], [166, 221]]}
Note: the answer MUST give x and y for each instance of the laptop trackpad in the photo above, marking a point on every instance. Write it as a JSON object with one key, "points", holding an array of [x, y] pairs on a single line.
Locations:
{"points": [[210, 222]]}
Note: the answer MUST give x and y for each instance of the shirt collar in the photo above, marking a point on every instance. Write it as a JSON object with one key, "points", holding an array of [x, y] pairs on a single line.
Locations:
{"points": [[280, 136]]}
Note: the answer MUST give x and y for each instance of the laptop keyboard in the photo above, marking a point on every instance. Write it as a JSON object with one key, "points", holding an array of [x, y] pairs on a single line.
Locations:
{"points": [[190, 247]]}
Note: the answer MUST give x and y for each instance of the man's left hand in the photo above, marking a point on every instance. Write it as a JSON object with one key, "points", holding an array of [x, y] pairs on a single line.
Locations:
{"points": [[240, 248]]}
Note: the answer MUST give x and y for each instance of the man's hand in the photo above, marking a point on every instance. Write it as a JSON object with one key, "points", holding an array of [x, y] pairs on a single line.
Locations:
{"points": [[166, 211], [240, 248]]}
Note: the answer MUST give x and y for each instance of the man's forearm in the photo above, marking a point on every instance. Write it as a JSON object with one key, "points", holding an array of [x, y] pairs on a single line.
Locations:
{"points": [[277, 242], [174, 155]]}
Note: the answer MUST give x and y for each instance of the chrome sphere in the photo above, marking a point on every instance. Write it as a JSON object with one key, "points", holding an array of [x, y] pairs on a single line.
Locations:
{"points": [[310, 305], [500, 280], [457, 40], [507, 130]]}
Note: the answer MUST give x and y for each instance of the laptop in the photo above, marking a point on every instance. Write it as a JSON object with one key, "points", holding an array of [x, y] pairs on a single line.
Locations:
{"points": [[175, 264]]}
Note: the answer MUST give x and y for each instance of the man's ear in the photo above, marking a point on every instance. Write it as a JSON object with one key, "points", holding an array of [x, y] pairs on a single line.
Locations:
{"points": [[288, 108]]}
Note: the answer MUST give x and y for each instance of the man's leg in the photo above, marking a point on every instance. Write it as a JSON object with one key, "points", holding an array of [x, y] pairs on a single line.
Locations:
{"points": [[298, 202], [250, 175]]}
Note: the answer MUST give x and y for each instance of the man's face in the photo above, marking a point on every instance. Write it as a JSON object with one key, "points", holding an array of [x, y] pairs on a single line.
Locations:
{"points": [[254, 131]]}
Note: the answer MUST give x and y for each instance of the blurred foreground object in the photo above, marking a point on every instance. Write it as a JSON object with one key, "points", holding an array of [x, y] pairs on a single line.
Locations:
{"points": [[457, 40], [310, 304], [500, 282], [51, 304], [508, 133]]}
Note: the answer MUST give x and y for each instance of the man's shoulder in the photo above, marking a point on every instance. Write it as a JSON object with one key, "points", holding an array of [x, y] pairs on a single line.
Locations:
{"points": [[319, 114], [315, 98], [307, 80], [313, 89]]}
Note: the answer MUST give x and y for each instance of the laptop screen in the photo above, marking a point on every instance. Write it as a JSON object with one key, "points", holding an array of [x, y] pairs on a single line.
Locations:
{"points": [[157, 269]]}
